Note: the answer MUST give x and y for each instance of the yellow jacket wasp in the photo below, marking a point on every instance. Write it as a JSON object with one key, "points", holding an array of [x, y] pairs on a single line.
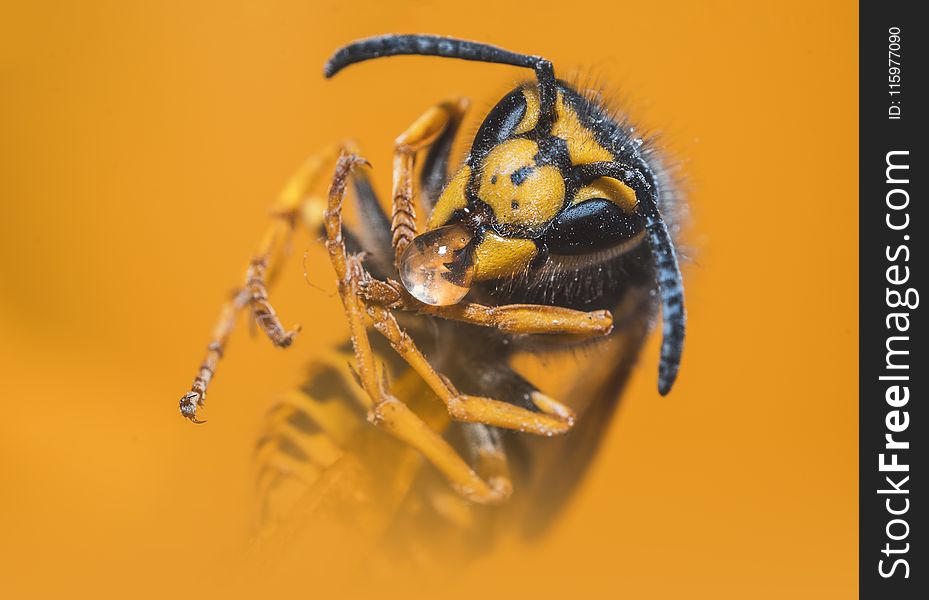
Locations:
{"points": [[549, 236]]}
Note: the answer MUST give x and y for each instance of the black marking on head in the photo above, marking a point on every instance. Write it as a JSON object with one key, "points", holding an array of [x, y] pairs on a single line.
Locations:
{"points": [[520, 175], [465, 216], [553, 151], [610, 132], [514, 204], [493, 180]]}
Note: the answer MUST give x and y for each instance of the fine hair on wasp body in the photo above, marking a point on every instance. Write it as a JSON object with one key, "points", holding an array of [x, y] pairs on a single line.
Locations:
{"points": [[550, 234]]}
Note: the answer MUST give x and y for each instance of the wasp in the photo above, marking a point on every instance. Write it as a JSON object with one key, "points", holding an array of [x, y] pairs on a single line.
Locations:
{"points": [[551, 235]]}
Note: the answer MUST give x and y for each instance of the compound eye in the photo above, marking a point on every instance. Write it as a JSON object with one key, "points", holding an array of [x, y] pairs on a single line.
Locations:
{"points": [[591, 225]]}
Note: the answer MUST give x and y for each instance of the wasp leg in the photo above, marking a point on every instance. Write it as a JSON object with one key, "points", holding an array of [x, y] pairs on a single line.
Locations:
{"points": [[422, 134], [485, 449], [512, 318], [294, 202], [554, 418], [224, 326], [386, 411], [524, 318]]}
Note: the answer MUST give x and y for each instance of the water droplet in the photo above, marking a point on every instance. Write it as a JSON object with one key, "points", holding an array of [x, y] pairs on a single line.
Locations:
{"points": [[437, 267]]}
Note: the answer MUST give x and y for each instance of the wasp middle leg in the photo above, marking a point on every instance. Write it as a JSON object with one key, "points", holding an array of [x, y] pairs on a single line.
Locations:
{"points": [[554, 417]]}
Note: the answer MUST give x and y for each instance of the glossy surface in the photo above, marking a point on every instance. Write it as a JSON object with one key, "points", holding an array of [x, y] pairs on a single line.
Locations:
{"points": [[437, 267]]}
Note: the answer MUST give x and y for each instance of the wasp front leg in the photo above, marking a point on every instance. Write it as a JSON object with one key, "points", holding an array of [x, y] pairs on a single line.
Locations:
{"points": [[294, 204], [511, 318], [385, 410], [523, 318], [421, 135]]}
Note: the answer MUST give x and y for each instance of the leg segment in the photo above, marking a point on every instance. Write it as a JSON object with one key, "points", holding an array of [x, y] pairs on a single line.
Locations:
{"points": [[526, 318], [196, 397], [512, 318], [385, 410], [554, 417], [419, 136]]}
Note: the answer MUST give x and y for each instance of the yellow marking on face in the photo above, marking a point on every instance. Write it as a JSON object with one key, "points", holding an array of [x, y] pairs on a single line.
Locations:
{"points": [[520, 192], [497, 257], [583, 146], [531, 118], [452, 199], [610, 189]]}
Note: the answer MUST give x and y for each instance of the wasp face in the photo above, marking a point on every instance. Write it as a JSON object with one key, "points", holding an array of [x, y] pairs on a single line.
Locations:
{"points": [[524, 193]]}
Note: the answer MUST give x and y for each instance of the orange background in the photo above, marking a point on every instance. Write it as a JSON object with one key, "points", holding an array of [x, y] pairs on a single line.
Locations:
{"points": [[140, 145]]}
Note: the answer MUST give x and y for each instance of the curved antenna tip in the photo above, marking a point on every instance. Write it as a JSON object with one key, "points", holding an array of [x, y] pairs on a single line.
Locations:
{"points": [[666, 380]]}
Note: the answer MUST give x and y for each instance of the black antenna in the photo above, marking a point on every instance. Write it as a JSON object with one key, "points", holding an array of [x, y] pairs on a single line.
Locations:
{"points": [[434, 45], [642, 181]]}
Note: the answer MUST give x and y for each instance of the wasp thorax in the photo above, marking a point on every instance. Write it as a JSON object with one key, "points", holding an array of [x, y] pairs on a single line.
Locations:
{"points": [[438, 266]]}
